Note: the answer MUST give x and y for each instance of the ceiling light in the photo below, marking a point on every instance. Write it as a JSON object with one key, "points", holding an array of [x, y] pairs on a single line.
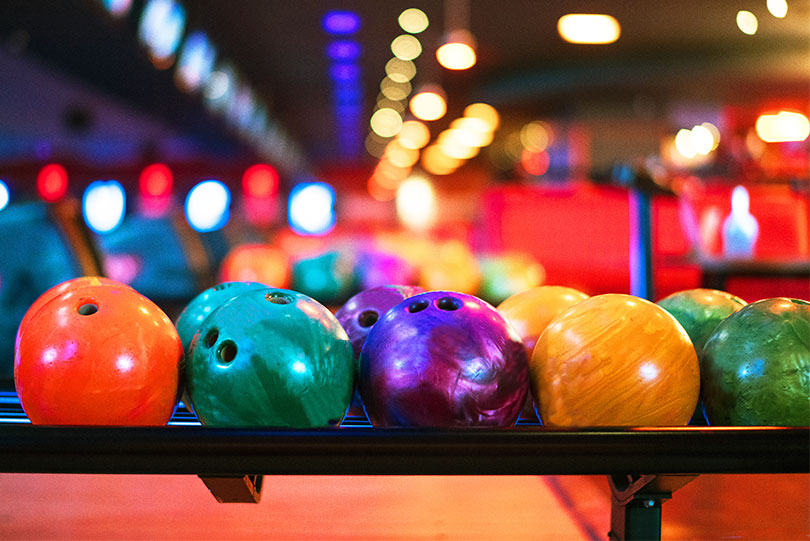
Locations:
{"points": [[778, 8], [485, 112], [783, 127], [406, 47], [458, 51], [414, 134], [386, 122], [428, 104], [588, 28], [747, 22], [413, 20]]}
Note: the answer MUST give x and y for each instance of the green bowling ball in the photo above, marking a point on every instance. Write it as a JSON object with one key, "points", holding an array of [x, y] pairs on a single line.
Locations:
{"points": [[201, 306], [700, 310], [755, 367], [271, 357]]}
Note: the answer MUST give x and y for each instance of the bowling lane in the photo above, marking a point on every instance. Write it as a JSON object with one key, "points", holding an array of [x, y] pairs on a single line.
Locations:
{"points": [[292, 507], [391, 508]]}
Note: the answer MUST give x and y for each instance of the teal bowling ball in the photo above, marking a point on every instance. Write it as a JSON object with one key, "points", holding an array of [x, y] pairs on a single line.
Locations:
{"points": [[755, 367], [201, 306], [270, 357], [699, 311]]}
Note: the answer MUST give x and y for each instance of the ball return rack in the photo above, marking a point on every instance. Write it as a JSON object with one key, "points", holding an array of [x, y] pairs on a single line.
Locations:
{"points": [[644, 466]]}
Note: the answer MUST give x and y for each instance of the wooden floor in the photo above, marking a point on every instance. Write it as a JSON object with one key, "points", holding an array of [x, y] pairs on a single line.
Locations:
{"points": [[390, 508]]}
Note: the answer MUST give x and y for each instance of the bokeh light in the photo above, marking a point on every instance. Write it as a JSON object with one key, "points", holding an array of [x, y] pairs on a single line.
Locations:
{"points": [[747, 22], [778, 8], [413, 20], [414, 134], [156, 180], [485, 112], [343, 51], [103, 205], [782, 127], [394, 90], [588, 28], [208, 206], [416, 203], [4, 195], [400, 71], [52, 182], [428, 105], [341, 22], [406, 47], [196, 62], [260, 180], [458, 51], [386, 122], [536, 136], [311, 208], [161, 28]]}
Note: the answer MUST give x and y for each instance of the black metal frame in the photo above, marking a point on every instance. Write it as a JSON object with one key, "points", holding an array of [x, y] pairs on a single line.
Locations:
{"points": [[231, 461]]}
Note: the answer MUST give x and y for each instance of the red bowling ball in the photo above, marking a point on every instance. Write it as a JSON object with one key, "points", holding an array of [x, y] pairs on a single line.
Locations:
{"points": [[98, 355]]}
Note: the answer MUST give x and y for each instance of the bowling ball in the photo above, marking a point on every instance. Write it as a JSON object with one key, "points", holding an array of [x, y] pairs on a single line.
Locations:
{"points": [[443, 359], [256, 263], [530, 311], [756, 366], [328, 277], [614, 360], [270, 357], [98, 355], [700, 310], [507, 274], [206, 302], [364, 309], [57, 290], [450, 266], [375, 268]]}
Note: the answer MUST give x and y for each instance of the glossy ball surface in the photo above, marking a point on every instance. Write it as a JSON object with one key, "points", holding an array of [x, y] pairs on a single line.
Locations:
{"points": [[57, 290], [443, 359], [530, 311], [98, 355], [363, 310], [201, 306], [700, 310], [756, 366], [614, 360], [271, 357]]}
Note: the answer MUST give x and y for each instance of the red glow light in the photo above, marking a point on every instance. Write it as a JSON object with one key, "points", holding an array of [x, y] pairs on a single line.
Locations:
{"points": [[260, 180], [534, 163], [52, 182], [156, 180]]}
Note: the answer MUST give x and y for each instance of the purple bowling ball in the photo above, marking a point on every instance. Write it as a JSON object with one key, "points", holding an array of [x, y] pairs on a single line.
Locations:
{"points": [[362, 311], [443, 359]]}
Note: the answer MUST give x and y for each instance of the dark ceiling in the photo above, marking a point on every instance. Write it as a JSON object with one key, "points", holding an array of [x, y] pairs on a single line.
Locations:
{"points": [[667, 49]]}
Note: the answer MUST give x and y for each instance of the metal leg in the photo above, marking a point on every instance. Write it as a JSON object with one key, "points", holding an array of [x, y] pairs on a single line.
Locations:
{"points": [[234, 489], [635, 507]]}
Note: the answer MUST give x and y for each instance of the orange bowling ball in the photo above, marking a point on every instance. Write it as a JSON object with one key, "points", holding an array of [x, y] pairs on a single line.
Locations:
{"points": [[614, 360], [98, 355], [530, 311], [59, 289]]}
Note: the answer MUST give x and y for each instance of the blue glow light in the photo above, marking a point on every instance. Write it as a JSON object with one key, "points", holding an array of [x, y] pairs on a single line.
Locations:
{"points": [[4, 196], [311, 208], [341, 22], [161, 28], [117, 8], [196, 61], [208, 206], [344, 72], [103, 205], [343, 50]]}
